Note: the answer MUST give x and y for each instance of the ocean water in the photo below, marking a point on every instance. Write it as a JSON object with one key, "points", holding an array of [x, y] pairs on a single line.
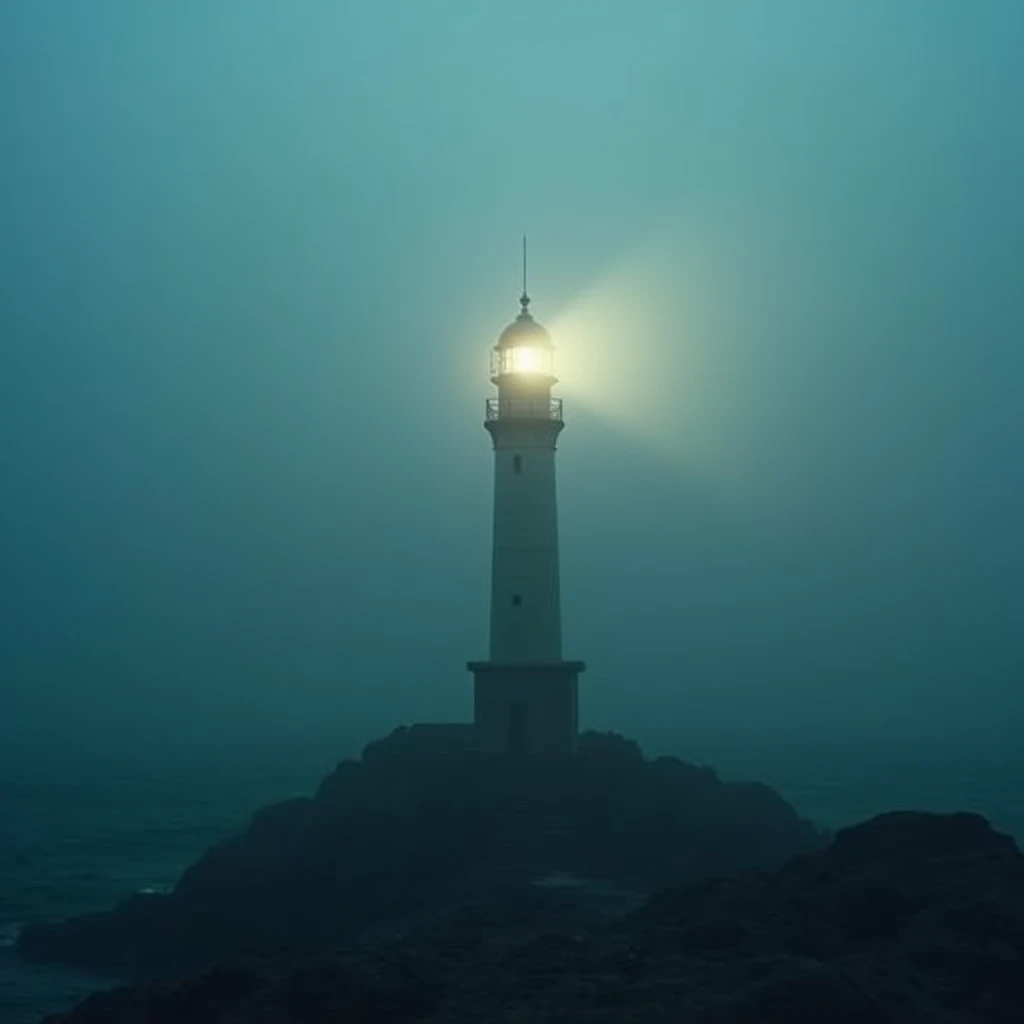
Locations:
{"points": [[79, 837]]}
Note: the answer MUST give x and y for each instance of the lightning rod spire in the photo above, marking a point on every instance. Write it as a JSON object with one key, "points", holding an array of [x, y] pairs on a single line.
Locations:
{"points": [[524, 299]]}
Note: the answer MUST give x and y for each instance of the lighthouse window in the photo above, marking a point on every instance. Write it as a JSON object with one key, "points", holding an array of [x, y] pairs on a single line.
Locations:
{"points": [[517, 464], [517, 600]]}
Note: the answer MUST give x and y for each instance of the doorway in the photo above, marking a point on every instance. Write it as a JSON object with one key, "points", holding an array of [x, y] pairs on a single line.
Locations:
{"points": [[517, 724]]}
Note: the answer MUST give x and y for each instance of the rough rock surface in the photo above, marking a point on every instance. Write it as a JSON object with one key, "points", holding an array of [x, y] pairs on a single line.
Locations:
{"points": [[909, 918], [415, 825]]}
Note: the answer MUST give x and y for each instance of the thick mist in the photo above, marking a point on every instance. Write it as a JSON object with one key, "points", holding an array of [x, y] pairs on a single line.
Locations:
{"points": [[253, 256]]}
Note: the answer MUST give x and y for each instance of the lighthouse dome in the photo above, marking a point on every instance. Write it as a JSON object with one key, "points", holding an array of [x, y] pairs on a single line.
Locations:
{"points": [[524, 331]]}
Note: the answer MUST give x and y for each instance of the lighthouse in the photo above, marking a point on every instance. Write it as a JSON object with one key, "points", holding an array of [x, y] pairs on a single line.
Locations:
{"points": [[525, 694]]}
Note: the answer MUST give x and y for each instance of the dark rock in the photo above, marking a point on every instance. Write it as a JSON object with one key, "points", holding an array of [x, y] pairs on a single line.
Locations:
{"points": [[917, 835], [417, 823], [719, 951], [805, 991], [986, 921], [209, 993], [318, 990]]}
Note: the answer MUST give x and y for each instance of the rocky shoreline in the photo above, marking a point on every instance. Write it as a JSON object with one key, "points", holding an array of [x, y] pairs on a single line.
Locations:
{"points": [[414, 826], [909, 918], [426, 886]]}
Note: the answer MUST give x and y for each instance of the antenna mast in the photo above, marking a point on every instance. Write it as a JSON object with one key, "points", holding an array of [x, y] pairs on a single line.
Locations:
{"points": [[524, 299]]}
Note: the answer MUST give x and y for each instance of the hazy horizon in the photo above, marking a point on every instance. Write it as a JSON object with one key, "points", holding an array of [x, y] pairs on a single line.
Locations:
{"points": [[254, 256]]}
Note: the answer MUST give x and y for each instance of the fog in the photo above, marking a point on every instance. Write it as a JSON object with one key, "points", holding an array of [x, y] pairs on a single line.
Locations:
{"points": [[253, 256]]}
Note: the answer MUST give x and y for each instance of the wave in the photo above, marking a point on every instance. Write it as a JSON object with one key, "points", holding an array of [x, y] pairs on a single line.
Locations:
{"points": [[9, 932], [155, 890]]}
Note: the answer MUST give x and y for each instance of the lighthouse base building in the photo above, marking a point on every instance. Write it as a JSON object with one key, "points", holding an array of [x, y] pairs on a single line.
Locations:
{"points": [[525, 709]]}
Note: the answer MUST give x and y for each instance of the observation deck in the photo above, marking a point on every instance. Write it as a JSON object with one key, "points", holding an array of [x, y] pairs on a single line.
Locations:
{"points": [[523, 409]]}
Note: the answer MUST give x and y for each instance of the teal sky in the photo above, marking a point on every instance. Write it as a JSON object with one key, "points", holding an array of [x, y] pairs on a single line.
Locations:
{"points": [[253, 255]]}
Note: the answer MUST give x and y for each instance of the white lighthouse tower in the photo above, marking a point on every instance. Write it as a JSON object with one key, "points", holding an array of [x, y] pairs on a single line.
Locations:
{"points": [[525, 695]]}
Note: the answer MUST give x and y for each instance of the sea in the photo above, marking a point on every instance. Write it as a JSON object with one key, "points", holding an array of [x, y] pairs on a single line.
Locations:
{"points": [[77, 836]]}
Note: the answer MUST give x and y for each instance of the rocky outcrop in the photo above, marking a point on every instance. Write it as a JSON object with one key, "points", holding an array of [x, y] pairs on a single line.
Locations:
{"points": [[906, 919], [417, 823]]}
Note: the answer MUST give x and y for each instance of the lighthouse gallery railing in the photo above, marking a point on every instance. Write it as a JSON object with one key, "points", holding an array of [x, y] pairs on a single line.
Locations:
{"points": [[524, 409]]}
